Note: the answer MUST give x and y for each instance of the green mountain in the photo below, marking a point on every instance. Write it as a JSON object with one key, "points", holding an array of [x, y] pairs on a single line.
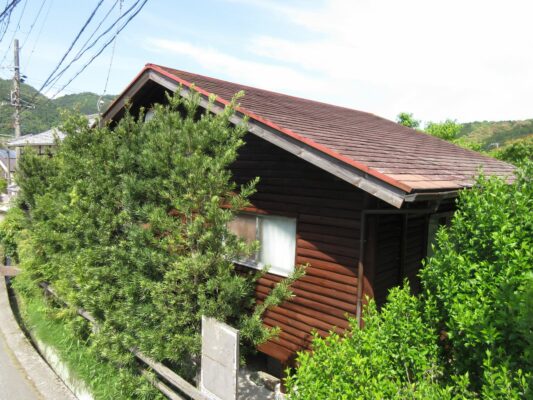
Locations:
{"points": [[46, 112], [494, 134]]}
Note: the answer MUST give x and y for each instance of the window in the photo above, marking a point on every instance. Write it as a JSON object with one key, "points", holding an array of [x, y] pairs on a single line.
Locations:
{"points": [[277, 239]]}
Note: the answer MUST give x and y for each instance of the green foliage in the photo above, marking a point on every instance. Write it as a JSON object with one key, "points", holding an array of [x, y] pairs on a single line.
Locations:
{"points": [[447, 130], [516, 152], [46, 113], [408, 120], [33, 176], [71, 338], [395, 356], [84, 103], [3, 185], [469, 335], [478, 280], [490, 133], [11, 229], [131, 225]]}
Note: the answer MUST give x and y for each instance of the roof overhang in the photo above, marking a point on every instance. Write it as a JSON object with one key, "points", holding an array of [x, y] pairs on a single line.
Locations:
{"points": [[376, 184]]}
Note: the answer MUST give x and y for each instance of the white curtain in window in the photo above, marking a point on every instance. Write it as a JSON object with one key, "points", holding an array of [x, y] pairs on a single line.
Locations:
{"points": [[278, 244]]}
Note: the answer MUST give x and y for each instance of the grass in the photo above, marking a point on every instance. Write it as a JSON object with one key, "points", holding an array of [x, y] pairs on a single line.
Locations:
{"points": [[70, 336]]}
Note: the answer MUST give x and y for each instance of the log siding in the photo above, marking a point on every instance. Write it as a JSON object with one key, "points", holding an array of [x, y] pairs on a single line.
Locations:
{"points": [[328, 213]]}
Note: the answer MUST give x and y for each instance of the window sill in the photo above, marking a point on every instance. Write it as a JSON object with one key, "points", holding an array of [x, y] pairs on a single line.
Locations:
{"points": [[272, 270]]}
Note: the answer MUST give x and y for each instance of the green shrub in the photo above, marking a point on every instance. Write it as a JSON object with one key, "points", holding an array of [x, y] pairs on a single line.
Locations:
{"points": [[447, 130], [11, 229], [479, 276], [395, 356], [71, 338], [130, 223], [516, 152], [469, 335]]}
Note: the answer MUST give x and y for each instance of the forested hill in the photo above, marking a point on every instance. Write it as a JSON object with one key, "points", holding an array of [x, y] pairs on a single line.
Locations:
{"points": [[46, 112], [491, 134]]}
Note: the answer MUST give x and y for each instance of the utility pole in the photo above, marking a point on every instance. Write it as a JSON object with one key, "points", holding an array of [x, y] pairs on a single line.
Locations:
{"points": [[15, 101]]}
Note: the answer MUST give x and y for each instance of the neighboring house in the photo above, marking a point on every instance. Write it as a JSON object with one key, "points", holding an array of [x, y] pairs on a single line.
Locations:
{"points": [[8, 159], [42, 142], [356, 197]]}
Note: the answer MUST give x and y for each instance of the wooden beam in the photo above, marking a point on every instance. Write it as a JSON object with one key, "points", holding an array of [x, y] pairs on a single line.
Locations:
{"points": [[168, 392], [9, 271], [170, 376], [120, 103]]}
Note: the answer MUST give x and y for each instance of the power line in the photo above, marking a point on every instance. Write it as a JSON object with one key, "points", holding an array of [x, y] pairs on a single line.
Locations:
{"points": [[15, 32], [72, 44], [33, 23], [110, 64], [133, 15], [95, 41], [5, 17], [9, 8], [83, 48]]}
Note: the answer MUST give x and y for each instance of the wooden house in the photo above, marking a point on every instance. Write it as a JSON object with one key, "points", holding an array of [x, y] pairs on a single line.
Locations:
{"points": [[355, 196]]}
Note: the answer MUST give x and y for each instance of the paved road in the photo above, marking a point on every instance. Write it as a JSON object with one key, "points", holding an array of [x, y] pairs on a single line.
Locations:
{"points": [[14, 384]]}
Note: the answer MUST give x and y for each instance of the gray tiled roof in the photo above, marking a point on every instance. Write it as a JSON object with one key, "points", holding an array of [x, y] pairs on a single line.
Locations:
{"points": [[38, 139]]}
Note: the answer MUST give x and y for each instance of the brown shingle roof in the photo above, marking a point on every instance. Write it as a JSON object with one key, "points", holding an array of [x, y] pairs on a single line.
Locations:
{"points": [[404, 157]]}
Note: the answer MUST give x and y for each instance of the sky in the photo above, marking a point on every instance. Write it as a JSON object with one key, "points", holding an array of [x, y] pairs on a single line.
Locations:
{"points": [[461, 59]]}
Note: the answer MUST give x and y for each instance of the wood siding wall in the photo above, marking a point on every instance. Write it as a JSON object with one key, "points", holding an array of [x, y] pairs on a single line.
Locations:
{"points": [[328, 213], [400, 242]]}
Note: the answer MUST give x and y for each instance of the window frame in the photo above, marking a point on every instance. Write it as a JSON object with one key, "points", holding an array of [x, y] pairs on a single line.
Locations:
{"points": [[255, 262]]}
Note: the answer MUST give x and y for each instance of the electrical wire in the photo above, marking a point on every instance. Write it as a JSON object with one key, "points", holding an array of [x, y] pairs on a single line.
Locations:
{"points": [[72, 44], [98, 102], [103, 47], [33, 23], [83, 48], [15, 32], [95, 41], [9, 8], [5, 17]]}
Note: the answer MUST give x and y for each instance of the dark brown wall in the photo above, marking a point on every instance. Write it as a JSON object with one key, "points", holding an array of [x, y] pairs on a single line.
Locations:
{"points": [[328, 227], [397, 246]]}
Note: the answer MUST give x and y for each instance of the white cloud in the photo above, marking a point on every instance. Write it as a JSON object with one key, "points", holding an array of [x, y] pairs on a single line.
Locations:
{"points": [[263, 75], [438, 59], [465, 59]]}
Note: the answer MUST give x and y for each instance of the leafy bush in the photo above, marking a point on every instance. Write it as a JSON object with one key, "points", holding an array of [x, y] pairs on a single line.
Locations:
{"points": [[395, 356], [517, 152], [447, 130], [131, 225], [478, 281], [469, 335], [407, 119], [70, 337], [11, 229]]}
